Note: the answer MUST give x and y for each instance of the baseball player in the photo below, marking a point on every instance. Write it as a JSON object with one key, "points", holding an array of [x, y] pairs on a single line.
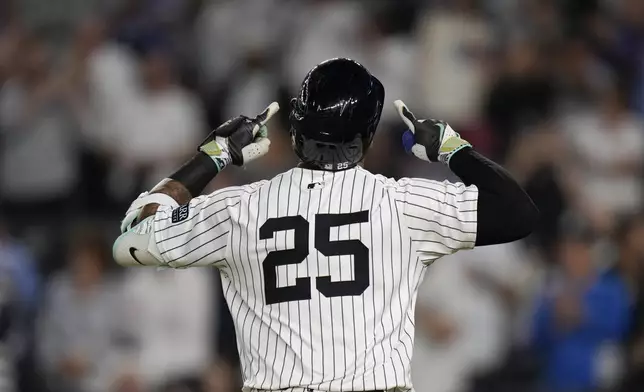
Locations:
{"points": [[320, 265]]}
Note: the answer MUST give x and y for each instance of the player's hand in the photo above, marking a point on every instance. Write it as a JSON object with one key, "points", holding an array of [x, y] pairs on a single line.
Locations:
{"points": [[240, 140], [430, 140]]}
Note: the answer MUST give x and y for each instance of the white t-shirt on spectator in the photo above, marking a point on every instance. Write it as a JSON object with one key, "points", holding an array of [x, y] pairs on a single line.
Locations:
{"points": [[325, 30], [394, 61], [453, 78], [38, 160], [113, 87], [483, 324], [226, 30], [161, 130], [600, 145], [170, 315]]}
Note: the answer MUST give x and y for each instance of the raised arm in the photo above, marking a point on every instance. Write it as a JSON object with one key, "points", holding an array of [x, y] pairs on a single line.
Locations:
{"points": [[145, 240], [504, 212]]}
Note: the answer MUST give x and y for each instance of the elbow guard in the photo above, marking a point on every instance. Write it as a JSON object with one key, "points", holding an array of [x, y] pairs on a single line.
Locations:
{"points": [[137, 246], [144, 199]]}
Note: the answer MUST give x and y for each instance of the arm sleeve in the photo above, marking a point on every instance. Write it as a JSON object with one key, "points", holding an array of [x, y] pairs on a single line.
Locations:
{"points": [[505, 213], [196, 234], [440, 216]]}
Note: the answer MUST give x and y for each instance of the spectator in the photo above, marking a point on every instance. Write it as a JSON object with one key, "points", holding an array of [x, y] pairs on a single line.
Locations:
{"points": [[581, 317], [606, 155], [455, 45], [168, 121], [629, 45], [56, 21], [252, 85], [464, 316], [77, 324], [392, 57], [18, 265], [10, 39], [629, 240], [169, 316], [39, 155], [325, 29], [538, 159], [18, 300], [21, 296], [580, 75], [263, 28], [103, 76], [7, 360], [523, 96], [222, 377]]}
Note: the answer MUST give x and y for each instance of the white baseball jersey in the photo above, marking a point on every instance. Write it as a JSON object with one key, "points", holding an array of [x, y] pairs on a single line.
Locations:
{"points": [[321, 269]]}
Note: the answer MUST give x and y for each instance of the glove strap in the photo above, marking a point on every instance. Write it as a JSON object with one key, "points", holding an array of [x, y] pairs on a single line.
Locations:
{"points": [[217, 149], [451, 146]]}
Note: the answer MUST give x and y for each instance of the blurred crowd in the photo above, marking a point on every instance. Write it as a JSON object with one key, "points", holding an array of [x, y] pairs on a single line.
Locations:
{"points": [[100, 99]]}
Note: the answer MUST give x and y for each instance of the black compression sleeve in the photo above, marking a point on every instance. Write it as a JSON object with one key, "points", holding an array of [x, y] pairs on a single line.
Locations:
{"points": [[505, 212], [196, 173]]}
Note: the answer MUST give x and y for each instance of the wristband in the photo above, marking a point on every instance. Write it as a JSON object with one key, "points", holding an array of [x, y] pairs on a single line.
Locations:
{"points": [[197, 173]]}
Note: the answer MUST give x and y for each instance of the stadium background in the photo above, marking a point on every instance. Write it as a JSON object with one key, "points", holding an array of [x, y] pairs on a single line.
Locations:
{"points": [[100, 99]]}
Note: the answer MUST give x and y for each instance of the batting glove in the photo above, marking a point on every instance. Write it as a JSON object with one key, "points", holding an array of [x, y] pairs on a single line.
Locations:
{"points": [[430, 140], [239, 140]]}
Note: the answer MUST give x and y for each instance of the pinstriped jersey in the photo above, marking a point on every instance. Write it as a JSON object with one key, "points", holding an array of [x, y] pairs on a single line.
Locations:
{"points": [[320, 270]]}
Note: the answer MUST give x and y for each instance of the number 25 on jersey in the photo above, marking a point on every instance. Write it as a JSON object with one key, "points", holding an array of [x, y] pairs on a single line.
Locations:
{"points": [[302, 288]]}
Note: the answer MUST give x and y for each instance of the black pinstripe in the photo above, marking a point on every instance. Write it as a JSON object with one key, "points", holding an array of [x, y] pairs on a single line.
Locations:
{"points": [[244, 233], [236, 258], [373, 295], [353, 299], [443, 236], [404, 273], [197, 248], [391, 298], [202, 200], [299, 325], [431, 198], [439, 224], [194, 237], [317, 259], [270, 312], [328, 210], [340, 271], [279, 306], [260, 360], [364, 310], [288, 307], [182, 223], [259, 285], [308, 204], [442, 213]]}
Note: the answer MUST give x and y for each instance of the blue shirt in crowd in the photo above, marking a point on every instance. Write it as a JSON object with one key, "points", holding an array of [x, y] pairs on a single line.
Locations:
{"points": [[571, 355]]}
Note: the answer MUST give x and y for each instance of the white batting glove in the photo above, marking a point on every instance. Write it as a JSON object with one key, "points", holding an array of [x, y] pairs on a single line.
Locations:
{"points": [[240, 140], [429, 140]]}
